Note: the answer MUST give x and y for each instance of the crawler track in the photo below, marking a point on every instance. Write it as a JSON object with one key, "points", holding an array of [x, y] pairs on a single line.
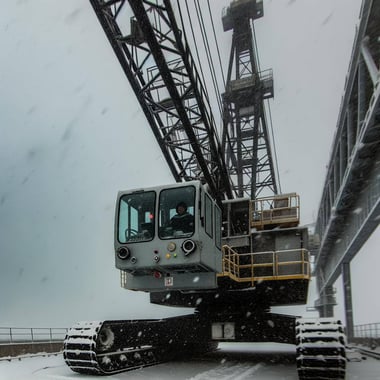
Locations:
{"points": [[88, 349], [105, 348], [321, 352]]}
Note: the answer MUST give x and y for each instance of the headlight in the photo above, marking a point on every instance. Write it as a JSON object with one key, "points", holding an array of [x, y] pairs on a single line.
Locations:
{"points": [[123, 253], [188, 246]]}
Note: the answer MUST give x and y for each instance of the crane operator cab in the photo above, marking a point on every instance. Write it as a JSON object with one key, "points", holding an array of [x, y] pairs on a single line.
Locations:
{"points": [[168, 237]]}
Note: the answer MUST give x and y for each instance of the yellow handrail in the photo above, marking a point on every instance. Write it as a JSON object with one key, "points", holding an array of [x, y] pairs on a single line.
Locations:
{"points": [[265, 266], [281, 210]]}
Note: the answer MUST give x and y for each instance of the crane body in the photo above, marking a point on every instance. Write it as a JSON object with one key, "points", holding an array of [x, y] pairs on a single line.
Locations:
{"points": [[208, 242], [167, 252]]}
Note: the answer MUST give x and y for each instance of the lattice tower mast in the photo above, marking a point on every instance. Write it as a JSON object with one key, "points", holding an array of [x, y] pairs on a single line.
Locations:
{"points": [[245, 133]]}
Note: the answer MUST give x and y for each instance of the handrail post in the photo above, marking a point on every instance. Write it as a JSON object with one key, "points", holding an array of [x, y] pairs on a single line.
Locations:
{"points": [[303, 261], [252, 270], [10, 335]]}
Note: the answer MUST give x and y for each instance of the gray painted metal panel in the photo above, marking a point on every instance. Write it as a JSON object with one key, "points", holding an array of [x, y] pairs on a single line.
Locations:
{"points": [[184, 281]]}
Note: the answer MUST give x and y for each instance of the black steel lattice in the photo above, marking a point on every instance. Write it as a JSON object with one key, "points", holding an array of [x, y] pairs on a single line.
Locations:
{"points": [[154, 55], [245, 136]]}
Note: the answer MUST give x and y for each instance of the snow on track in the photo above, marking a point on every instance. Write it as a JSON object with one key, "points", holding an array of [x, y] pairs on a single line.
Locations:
{"points": [[231, 362]]}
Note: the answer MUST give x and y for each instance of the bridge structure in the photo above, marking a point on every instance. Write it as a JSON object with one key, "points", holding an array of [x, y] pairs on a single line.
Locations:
{"points": [[350, 205]]}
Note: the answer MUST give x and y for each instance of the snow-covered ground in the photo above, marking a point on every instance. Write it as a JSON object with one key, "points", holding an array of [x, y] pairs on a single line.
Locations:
{"points": [[232, 361]]}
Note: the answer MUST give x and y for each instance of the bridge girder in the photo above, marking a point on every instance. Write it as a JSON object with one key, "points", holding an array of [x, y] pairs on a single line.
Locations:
{"points": [[350, 203]]}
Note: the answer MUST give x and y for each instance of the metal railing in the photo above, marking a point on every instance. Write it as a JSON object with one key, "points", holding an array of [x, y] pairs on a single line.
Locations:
{"points": [[281, 210], [17, 335], [369, 330], [265, 266]]}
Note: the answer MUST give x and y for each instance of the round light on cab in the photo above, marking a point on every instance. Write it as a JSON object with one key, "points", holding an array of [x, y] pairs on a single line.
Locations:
{"points": [[123, 253], [188, 247], [171, 246]]}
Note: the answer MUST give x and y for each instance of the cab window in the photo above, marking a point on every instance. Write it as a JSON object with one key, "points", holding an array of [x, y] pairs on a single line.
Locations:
{"points": [[208, 216], [176, 212], [136, 217], [218, 227]]}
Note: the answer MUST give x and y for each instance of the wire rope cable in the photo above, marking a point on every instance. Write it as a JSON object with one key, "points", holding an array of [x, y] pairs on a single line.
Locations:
{"points": [[208, 54], [274, 147], [277, 173], [219, 59], [193, 36], [204, 42], [216, 43]]}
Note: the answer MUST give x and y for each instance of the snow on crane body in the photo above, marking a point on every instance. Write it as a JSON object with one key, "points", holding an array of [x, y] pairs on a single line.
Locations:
{"points": [[208, 242]]}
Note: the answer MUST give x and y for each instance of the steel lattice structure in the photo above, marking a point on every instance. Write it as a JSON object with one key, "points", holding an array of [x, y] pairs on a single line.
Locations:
{"points": [[245, 137], [157, 61], [155, 57], [350, 204]]}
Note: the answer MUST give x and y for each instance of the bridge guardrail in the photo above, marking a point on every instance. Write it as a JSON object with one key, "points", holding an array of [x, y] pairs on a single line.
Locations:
{"points": [[367, 335], [17, 335], [369, 330]]}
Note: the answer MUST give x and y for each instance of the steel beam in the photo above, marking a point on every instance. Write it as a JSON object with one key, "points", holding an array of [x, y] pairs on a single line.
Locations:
{"points": [[370, 62], [348, 300], [350, 202], [245, 132], [155, 57]]}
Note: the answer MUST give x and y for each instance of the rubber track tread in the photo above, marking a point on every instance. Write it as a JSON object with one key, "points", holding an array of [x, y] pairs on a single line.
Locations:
{"points": [[320, 349], [82, 352]]}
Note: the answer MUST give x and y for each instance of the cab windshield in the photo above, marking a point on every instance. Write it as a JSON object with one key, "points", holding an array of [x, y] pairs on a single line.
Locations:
{"points": [[136, 217], [177, 212]]}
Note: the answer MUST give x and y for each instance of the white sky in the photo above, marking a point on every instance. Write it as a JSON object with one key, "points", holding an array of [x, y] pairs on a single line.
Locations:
{"points": [[73, 134]]}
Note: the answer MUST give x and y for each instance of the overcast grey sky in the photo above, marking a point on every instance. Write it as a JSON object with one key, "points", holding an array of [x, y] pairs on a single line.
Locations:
{"points": [[72, 135]]}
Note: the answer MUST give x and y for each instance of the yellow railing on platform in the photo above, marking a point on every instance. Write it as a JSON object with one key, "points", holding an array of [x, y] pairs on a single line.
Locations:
{"points": [[265, 266], [280, 210]]}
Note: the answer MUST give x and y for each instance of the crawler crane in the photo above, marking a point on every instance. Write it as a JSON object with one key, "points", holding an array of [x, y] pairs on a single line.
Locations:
{"points": [[241, 251]]}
